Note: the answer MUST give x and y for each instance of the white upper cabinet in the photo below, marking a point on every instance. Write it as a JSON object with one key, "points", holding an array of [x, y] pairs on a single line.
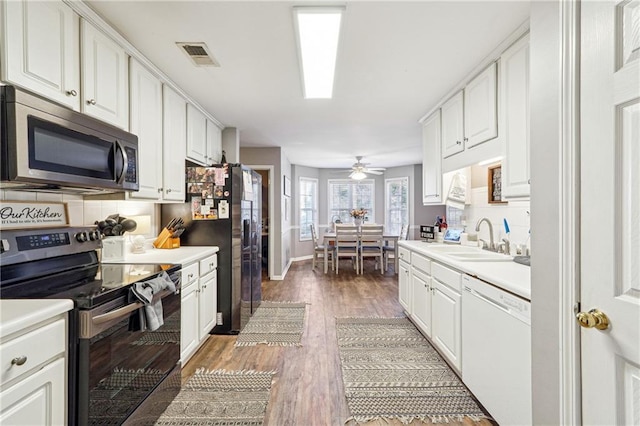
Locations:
{"points": [[431, 161], [104, 77], [196, 135], [453, 125], [146, 123], [41, 51], [214, 143], [514, 119], [175, 145], [480, 108]]}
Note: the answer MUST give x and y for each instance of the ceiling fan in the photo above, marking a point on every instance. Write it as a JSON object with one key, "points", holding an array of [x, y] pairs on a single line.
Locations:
{"points": [[359, 170]]}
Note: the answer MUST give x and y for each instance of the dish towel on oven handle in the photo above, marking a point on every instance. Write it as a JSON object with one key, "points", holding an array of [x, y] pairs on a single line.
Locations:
{"points": [[144, 291]]}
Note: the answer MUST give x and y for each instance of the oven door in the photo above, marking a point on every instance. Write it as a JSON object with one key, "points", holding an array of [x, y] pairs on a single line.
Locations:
{"points": [[120, 366]]}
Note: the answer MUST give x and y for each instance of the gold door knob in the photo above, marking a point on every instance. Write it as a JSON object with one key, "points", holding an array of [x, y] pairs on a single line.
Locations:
{"points": [[593, 318]]}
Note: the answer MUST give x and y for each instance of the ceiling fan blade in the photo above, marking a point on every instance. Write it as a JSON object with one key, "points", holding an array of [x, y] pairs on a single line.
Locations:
{"points": [[376, 169], [373, 172]]}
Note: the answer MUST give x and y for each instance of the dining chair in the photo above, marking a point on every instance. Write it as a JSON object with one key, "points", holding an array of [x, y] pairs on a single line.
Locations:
{"points": [[372, 245], [390, 250], [347, 241], [318, 250]]}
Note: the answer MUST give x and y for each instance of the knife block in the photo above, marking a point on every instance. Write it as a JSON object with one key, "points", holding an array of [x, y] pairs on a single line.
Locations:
{"points": [[165, 241], [170, 243]]}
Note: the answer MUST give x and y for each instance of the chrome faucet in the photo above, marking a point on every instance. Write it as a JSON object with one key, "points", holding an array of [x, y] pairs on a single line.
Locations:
{"points": [[491, 243]]}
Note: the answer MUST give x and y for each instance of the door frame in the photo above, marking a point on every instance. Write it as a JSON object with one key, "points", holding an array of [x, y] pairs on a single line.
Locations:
{"points": [[270, 173], [555, 211]]}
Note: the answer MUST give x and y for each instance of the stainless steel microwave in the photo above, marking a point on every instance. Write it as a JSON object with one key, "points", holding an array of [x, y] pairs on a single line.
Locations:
{"points": [[46, 146]]}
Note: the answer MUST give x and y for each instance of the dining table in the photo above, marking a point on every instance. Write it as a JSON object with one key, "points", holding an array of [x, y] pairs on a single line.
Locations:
{"points": [[330, 240]]}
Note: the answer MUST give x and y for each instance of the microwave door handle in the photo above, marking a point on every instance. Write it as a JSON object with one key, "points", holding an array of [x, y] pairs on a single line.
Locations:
{"points": [[125, 163]]}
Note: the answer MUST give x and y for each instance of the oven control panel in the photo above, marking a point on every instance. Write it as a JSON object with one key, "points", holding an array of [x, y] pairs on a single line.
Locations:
{"points": [[54, 239], [24, 245]]}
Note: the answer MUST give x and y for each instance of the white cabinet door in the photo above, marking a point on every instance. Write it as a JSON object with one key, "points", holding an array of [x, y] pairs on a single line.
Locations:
{"points": [[174, 145], [480, 108], [431, 161], [196, 135], [208, 303], [404, 283], [452, 125], [189, 328], [40, 49], [421, 300], [214, 143], [39, 399], [446, 325], [104, 77], [514, 124], [146, 122]]}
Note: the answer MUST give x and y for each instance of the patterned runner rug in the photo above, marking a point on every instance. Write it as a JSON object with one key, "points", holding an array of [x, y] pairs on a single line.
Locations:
{"points": [[274, 324], [390, 371], [220, 398]]}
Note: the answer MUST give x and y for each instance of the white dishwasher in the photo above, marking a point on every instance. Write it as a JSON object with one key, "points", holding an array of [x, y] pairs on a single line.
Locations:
{"points": [[496, 350]]}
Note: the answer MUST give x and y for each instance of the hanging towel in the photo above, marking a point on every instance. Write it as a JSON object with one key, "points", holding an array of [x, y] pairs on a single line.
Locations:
{"points": [[457, 195], [145, 290]]}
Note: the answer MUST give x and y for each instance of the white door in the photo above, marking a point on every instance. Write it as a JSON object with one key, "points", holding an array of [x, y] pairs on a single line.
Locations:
{"points": [[431, 160], [105, 82], [214, 143], [480, 108], [41, 51], [146, 122], [196, 135], [453, 125], [174, 144], [610, 210]]}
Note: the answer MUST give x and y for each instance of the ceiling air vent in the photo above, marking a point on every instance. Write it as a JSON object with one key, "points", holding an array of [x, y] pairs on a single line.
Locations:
{"points": [[199, 54]]}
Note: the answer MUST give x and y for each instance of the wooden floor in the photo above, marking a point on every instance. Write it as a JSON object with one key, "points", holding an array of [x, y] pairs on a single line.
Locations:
{"points": [[307, 389]]}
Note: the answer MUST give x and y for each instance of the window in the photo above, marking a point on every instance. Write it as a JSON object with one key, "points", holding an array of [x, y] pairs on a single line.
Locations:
{"points": [[346, 195], [308, 207], [396, 204]]}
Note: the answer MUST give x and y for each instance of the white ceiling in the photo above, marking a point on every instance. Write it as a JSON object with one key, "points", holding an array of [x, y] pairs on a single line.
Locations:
{"points": [[396, 60]]}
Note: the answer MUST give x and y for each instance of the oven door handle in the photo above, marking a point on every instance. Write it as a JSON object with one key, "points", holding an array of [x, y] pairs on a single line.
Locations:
{"points": [[91, 325]]}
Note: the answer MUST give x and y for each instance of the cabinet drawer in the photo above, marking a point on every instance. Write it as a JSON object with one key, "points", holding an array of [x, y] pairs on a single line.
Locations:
{"points": [[447, 276], [36, 347], [420, 262], [404, 254], [189, 274], [208, 264]]}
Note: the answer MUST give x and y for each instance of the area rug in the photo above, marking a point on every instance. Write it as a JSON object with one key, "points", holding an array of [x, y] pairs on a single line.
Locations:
{"points": [[274, 324], [220, 398], [390, 371]]}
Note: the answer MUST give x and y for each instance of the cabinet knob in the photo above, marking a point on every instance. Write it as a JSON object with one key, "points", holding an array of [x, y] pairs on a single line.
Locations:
{"points": [[211, 265], [204, 286], [466, 139], [458, 142], [91, 102], [19, 360], [72, 93], [168, 190], [160, 189], [190, 276]]}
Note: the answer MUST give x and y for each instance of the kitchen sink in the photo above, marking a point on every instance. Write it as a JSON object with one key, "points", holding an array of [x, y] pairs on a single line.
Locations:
{"points": [[480, 256], [470, 254]]}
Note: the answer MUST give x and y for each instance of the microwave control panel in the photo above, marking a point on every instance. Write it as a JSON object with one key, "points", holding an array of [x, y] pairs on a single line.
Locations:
{"points": [[132, 162]]}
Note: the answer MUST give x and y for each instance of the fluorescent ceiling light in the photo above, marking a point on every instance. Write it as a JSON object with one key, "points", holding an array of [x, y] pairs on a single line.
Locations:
{"points": [[318, 31], [358, 175]]}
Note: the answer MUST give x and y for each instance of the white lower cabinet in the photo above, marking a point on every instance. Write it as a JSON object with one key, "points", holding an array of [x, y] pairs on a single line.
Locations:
{"points": [[422, 293], [404, 278], [33, 378], [199, 304], [432, 299]]}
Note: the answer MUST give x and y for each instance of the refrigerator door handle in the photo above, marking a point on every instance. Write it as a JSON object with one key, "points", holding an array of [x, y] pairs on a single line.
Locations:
{"points": [[246, 232]]}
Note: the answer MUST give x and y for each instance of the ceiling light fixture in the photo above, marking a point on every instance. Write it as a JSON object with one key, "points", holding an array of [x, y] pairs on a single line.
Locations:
{"points": [[318, 31], [358, 175]]}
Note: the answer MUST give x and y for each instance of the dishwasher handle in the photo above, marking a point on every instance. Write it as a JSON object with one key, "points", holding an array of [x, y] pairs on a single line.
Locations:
{"points": [[489, 300]]}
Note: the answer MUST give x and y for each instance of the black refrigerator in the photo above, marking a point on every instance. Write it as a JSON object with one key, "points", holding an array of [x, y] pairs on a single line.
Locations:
{"points": [[224, 209]]}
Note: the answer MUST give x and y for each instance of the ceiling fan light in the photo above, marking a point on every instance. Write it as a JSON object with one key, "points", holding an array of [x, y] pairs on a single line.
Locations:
{"points": [[358, 175]]}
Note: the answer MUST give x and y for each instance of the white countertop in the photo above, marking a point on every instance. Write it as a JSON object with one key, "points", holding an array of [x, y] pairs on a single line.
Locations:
{"points": [[510, 276], [181, 255], [18, 314]]}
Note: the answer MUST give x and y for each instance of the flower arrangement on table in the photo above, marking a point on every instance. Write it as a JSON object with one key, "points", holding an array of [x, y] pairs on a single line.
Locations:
{"points": [[358, 213]]}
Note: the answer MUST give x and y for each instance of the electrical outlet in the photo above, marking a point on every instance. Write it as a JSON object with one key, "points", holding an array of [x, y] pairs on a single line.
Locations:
{"points": [[219, 318]]}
